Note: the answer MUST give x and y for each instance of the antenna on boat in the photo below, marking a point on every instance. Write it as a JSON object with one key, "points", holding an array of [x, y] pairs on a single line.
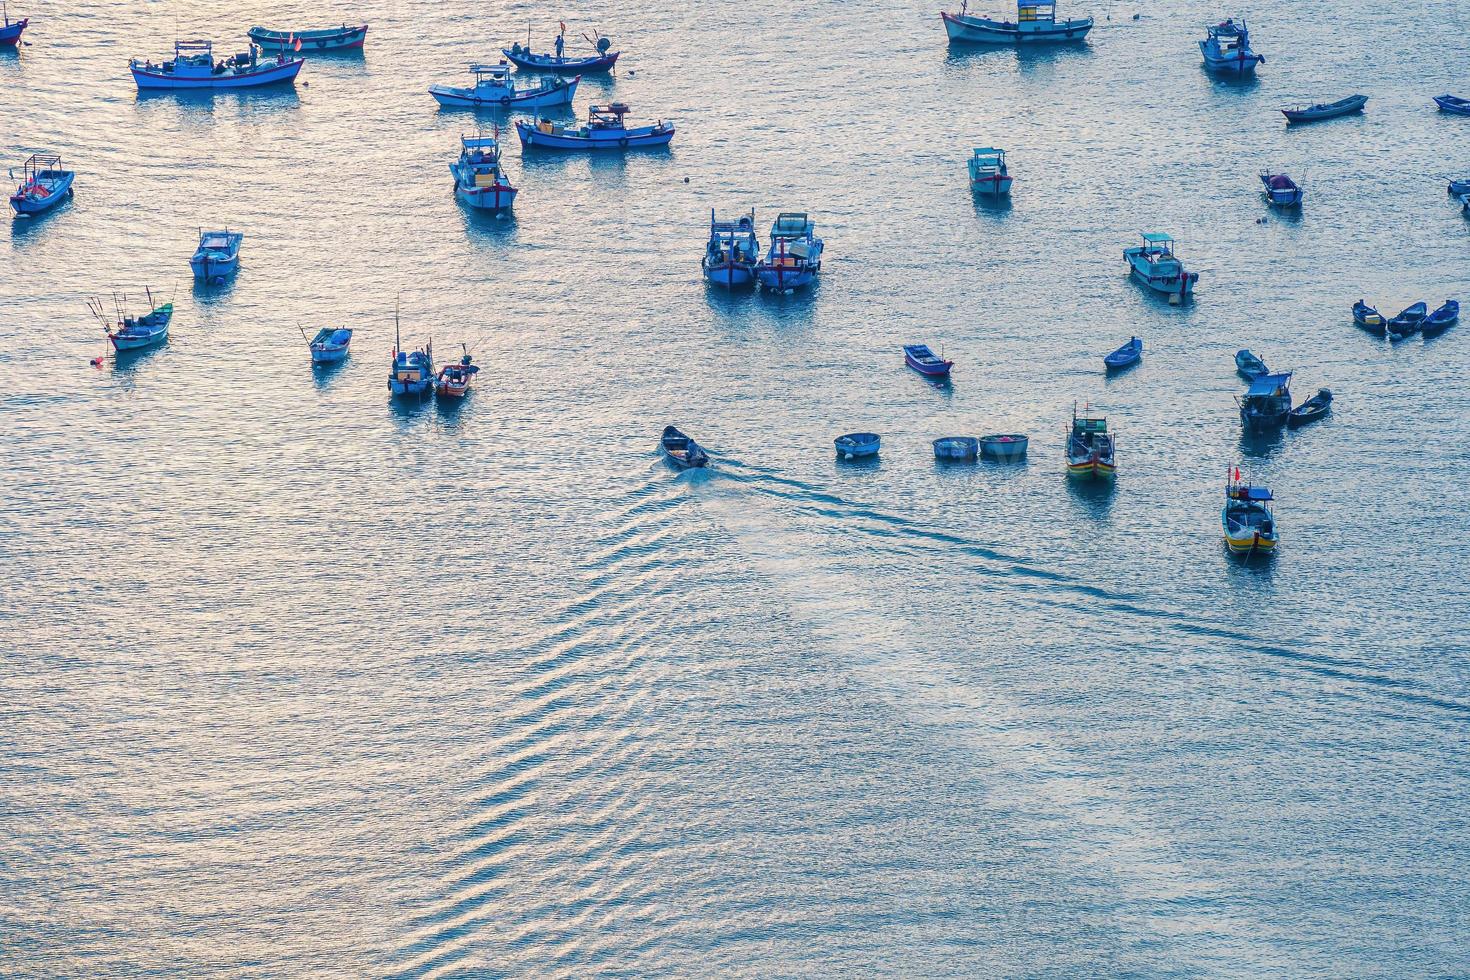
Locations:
{"points": [[397, 343]]}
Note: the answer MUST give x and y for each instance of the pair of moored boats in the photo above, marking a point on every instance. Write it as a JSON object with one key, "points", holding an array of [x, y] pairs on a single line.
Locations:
{"points": [[194, 68], [1412, 319], [793, 260], [412, 374]]}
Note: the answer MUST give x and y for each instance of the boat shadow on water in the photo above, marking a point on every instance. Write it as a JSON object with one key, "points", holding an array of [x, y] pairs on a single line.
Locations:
{"points": [[206, 292], [267, 100], [1094, 498], [409, 409], [492, 227], [126, 363], [993, 206], [27, 227], [1262, 445], [1026, 57], [325, 373]]}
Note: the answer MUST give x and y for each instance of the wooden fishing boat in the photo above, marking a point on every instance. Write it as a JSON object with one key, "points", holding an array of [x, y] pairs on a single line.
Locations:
{"points": [[1227, 49], [129, 333], [988, 173], [681, 450], [193, 67], [478, 178], [495, 88], [454, 379], [1368, 318], [44, 183], [1036, 23], [1407, 321], [1441, 319], [1310, 410], [558, 63], [925, 361], [855, 445], [1090, 447], [605, 129], [732, 252], [1453, 104], [1249, 366], [1325, 110], [11, 32], [1266, 403], [1154, 264], [957, 449], [1004, 447], [1126, 356], [348, 37], [1248, 524], [1459, 187], [1282, 191], [794, 258], [329, 345], [217, 256]]}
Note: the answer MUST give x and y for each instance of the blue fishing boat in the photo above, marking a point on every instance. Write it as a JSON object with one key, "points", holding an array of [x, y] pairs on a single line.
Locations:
{"points": [[1154, 264], [682, 451], [1282, 191], [44, 183], [1368, 318], [1453, 104], [1325, 110], [348, 37], [527, 60], [1249, 366], [1004, 447], [11, 32], [605, 129], [329, 345], [794, 257], [733, 251], [1441, 319], [1227, 49], [1459, 187], [412, 371], [193, 67], [1249, 526], [1311, 410], [1126, 356], [1036, 23], [856, 445], [1407, 321], [925, 361], [1266, 403], [478, 179], [217, 256], [495, 88], [988, 173], [957, 449], [129, 333]]}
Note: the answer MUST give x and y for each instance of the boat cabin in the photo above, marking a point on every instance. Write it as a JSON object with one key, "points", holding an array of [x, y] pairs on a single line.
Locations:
{"points": [[480, 150], [1157, 247], [792, 225], [987, 160], [1270, 386], [1085, 428], [608, 116], [492, 76]]}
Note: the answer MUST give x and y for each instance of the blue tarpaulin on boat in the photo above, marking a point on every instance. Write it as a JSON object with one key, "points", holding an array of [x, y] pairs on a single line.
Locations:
{"points": [[1268, 384]]}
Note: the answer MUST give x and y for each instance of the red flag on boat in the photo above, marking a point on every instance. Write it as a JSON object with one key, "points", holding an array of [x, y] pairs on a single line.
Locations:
{"points": [[297, 45], [563, 26], [1237, 474]]}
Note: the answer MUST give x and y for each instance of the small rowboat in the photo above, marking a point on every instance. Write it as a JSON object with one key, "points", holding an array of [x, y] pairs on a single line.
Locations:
{"points": [[217, 256], [1441, 319], [1004, 446], [1310, 410], [958, 449], [925, 361], [1282, 191], [681, 450], [1407, 321], [527, 60], [1368, 318], [344, 38], [857, 444], [1126, 356], [330, 345], [1249, 366], [604, 130], [1453, 104], [1325, 110], [43, 184]]}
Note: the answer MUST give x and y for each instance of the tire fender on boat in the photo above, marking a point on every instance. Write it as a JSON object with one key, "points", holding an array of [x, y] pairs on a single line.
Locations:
{"points": [[479, 101], [505, 100]]}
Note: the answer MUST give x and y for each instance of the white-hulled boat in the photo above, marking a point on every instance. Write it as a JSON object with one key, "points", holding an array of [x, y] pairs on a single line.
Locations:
{"points": [[1227, 49], [988, 173], [495, 88], [1154, 264], [193, 67], [1036, 23], [478, 179]]}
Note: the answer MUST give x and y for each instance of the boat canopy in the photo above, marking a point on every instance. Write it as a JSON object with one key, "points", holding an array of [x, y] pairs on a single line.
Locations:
{"points": [[1084, 424], [1268, 384], [501, 70], [1157, 238], [1247, 492], [791, 225], [988, 151], [479, 142], [193, 47]]}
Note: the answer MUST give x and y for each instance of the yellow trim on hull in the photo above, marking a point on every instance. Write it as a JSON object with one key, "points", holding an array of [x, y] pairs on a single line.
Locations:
{"points": [[1241, 546]]}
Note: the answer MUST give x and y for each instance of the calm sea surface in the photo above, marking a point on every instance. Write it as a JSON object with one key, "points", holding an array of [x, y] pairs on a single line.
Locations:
{"points": [[295, 681]]}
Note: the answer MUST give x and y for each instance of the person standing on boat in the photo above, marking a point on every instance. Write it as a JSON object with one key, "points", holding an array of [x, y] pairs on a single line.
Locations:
{"points": [[561, 42]]}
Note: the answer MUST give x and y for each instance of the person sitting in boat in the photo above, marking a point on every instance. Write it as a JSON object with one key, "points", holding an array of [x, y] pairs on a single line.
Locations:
{"points": [[516, 49]]}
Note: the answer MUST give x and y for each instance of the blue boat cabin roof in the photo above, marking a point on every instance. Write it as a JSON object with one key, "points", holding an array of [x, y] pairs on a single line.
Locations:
{"points": [[1238, 492], [479, 142], [1157, 238], [501, 70], [1268, 384]]}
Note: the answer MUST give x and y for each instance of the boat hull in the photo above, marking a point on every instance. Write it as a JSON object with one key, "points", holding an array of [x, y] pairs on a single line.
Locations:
{"points": [[210, 269], [632, 139], [731, 275], [499, 197], [562, 66], [270, 75], [1093, 469], [1450, 104], [857, 445], [1250, 544], [10, 33], [122, 343], [1346, 107], [1181, 284], [465, 98], [960, 449], [781, 279], [329, 355], [405, 389], [979, 30], [333, 39], [1237, 66], [1004, 447], [995, 186], [60, 190]]}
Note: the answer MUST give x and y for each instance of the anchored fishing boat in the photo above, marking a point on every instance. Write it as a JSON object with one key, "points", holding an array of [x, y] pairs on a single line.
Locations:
{"points": [[329, 345], [1036, 23], [44, 183], [412, 372], [193, 67], [733, 251], [345, 38], [1453, 104], [1249, 366], [478, 179], [1249, 526], [794, 257], [925, 361], [1282, 191], [857, 445], [1090, 447], [11, 32], [1459, 188], [1310, 410], [1441, 319], [1227, 49], [1126, 356], [1407, 321], [454, 379], [988, 173], [957, 449], [494, 87], [1154, 264], [604, 130], [1369, 319], [1266, 403], [1325, 110], [681, 450], [217, 256], [527, 60], [128, 333], [1004, 447]]}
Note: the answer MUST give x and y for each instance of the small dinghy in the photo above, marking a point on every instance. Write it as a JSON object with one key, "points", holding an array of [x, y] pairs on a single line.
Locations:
{"points": [[43, 184], [1227, 49], [1310, 410], [129, 333], [856, 445], [1441, 319], [495, 88], [925, 361], [1004, 447], [1266, 403], [794, 258], [329, 345], [1369, 319], [193, 67], [1453, 104], [478, 179], [1325, 110], [1249, 366], [988, 173], [605, 129], [1126, 356], [217, 256], [454, 379], [1249, 526], [1090, 447], [1407, 321], [957, 449], [1154, 264], [11, 32], [344, 38], [681, 450], [558, 64], [732, 252], [1282, 191]]}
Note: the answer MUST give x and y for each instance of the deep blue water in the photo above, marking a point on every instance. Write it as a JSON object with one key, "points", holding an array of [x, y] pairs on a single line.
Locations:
{"points": [[299, 682]]}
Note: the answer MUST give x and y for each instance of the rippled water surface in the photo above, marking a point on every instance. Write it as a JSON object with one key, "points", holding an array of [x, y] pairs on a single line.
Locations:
{"points": [[297, 681]]}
